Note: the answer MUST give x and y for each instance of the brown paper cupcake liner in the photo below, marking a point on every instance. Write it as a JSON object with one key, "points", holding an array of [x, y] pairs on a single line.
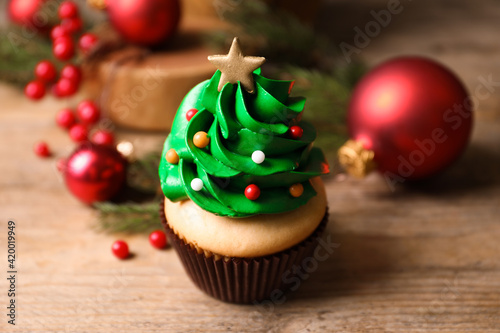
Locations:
{"points": [[241, 280]]}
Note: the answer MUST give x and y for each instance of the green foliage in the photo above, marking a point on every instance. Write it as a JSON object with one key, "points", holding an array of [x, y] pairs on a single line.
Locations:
{"points": [[272, 33], [20, 51], [128, 218], [142, 174]]}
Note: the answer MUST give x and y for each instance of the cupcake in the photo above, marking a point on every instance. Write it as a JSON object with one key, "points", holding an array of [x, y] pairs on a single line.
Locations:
{"points": [[244, 204]]}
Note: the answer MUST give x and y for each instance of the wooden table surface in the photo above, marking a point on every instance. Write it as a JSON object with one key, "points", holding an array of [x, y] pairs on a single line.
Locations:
{"points": [[417, 259]]}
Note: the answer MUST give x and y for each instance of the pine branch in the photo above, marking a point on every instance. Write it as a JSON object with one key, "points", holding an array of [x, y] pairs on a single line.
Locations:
{"points": [[272, 33], [128, 218], [142, 174], [20, 53]]}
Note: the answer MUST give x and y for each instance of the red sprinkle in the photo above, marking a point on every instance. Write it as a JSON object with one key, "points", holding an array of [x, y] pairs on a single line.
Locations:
{"points": [[252, 192]]}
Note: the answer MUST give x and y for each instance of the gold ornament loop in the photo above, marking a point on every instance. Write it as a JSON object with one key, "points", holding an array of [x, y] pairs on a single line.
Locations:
{"points": [[355, 159]]}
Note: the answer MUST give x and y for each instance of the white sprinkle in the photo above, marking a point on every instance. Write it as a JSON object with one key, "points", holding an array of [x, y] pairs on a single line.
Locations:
{"points": [[197, 184], [258, 156]]}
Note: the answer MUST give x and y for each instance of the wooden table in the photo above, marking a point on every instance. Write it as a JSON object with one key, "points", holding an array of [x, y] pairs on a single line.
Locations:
{"points": [[418, 259]]}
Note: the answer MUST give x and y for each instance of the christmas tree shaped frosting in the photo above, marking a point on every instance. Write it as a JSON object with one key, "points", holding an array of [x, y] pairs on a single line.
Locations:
{"points": [[237, 146]]}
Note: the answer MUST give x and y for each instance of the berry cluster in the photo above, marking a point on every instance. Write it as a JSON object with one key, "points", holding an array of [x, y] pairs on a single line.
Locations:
{"points": [[78, 123], [63, 48], [67, 82]]}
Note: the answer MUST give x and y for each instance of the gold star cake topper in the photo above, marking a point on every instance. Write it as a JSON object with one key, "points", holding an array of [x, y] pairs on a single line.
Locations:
{"points": [[235, 67]]}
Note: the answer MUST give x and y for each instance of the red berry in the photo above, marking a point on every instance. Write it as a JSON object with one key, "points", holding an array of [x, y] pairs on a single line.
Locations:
{"points": [[102, 137], [57, 32], [78, 133], [45, 71], [63, 48], [72, 72], [190, 114], [72, 25], [158, 239], [65, 87], [87, 42], [65, 118], [252, 192], [35, 90], [42, 149], [88, 112], [68, 9], [296, 132], [120, 249]]}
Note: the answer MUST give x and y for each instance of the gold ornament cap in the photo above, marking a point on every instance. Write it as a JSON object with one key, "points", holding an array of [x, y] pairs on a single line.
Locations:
{"points": [[355, 159], [235, 67]]}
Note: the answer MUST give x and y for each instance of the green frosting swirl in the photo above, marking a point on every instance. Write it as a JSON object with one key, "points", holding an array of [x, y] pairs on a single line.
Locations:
{"points": [[239, 123]]}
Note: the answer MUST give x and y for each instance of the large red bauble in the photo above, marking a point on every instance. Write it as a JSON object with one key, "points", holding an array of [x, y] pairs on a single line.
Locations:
{"points": [[27, 13], [414, 114], [144, 22], [94, 173]]}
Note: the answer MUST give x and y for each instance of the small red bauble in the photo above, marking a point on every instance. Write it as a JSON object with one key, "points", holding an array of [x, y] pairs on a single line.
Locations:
{"points": [[65, 118], [296, 132], [63, 48], [41, 149], [78, 133], [102, 137], [57, 32], [414, 114], [68, 9], [72, 72], [120, 249], [144, 22], [35, 90], [65, 87], [72, 25], [88, 112], [252, 192], [94, 172], [190, 113], [27, 13], [87, 42], [158, 239], [45, 71]]}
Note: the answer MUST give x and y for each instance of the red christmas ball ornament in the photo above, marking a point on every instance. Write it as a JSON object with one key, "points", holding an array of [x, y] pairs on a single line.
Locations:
{"points": [[28, 13], [94, 172], [63, 48], [78, 133], [120, 249], [144, 22], [87, 42], [41, 149], [102, 137], [252, 192], [45, 71], [67, 9], [65, 118], [72, 72], [411, 116], [158, 239], [88, 112], [35, 90]]}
